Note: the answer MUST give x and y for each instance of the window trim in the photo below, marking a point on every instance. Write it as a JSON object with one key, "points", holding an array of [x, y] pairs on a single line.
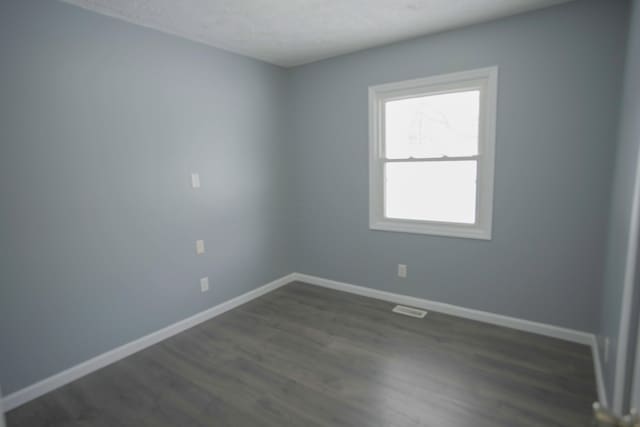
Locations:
{"points": [[487, 79]]}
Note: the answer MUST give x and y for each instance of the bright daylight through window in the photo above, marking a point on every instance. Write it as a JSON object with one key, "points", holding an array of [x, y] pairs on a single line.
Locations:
{"points": [[432, 153]]}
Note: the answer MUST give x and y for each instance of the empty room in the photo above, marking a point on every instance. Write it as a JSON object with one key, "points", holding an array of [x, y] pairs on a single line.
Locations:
{"points": [[368, 213]]}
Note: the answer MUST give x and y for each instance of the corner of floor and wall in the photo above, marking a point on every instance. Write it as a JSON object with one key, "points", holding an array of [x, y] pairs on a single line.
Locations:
{"points": [[102, 124]]}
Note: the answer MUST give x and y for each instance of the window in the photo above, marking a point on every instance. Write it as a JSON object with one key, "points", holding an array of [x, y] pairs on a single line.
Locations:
{"points": [[432, 153]]}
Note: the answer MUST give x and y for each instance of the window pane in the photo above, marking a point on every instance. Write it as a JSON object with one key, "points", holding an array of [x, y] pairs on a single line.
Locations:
{"points": [[431, 191], [433, 126]]}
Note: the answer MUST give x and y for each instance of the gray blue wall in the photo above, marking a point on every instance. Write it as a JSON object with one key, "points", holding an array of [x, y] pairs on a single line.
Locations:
{"points": [[101, 123], [621, 203], [558, 102]]}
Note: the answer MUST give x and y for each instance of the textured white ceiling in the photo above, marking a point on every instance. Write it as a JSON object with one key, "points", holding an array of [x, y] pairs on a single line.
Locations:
{"points": [[295, 32]]}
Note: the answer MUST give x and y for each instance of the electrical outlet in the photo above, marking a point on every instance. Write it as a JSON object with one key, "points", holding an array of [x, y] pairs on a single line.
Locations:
{"points": [[204, 284], [195, 180], [402, 270], [199, 247]]}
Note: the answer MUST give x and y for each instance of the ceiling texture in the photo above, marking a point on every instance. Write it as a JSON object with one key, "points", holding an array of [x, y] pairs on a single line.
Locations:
{"points": [[295, 32]]}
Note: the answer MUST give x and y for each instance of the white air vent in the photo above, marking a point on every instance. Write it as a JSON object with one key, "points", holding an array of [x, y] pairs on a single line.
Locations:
{"points": [[408, 311]]}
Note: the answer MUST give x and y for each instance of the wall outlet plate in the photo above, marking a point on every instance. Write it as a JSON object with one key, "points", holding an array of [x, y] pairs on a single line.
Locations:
{"points": [[195, 180], [402, 270], [199, 247], [204, 284]]}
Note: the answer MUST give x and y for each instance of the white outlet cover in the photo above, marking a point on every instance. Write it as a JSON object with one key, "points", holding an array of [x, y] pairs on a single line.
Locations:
{"points": [[195, 180], [402, 270], [204, 284], [199, 247]]}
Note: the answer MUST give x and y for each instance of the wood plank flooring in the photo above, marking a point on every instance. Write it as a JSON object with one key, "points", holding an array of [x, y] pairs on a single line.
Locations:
{"points": [[309, 356]]}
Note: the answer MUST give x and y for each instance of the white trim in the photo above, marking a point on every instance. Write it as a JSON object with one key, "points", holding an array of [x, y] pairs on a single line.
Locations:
{"points": [[33, 391], [627, 298], [635, 386], [597, 364], [454, 310], [486, 80]]}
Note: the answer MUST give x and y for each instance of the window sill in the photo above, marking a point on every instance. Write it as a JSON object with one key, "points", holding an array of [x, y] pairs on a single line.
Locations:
{"points": [[445, 230]]}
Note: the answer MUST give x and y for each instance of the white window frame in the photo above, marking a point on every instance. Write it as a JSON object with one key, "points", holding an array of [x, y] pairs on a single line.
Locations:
{"points": [[485, 80]]}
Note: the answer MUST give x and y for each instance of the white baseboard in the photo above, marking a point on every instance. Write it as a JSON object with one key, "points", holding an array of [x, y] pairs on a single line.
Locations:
{"points": [[467, 313], [597, 364], [33, 391]]}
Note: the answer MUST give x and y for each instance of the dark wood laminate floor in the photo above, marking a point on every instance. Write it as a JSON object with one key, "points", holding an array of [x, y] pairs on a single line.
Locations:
{"points": [[308, 356]]}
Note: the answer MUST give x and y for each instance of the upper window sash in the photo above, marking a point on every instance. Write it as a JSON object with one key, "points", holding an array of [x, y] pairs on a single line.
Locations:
{"points": [[410, 90]]}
